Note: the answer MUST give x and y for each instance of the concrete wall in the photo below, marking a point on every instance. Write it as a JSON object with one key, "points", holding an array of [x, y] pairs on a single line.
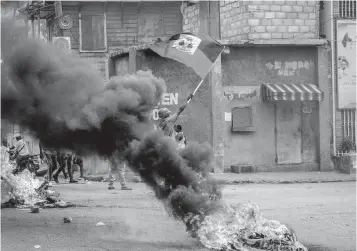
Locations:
{"points": [[242, 20], [181, 81], [246, 69]]}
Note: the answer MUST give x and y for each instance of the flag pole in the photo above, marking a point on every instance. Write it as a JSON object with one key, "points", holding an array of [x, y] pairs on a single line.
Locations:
{"points": [[200, 83]]}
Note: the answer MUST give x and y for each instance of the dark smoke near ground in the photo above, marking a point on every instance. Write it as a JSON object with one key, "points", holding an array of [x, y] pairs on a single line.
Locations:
{"points": [[181, 177], [66, 104]]}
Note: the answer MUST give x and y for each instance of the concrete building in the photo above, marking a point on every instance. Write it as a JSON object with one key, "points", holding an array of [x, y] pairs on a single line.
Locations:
{"points": [[266, 101], [338, 24]]}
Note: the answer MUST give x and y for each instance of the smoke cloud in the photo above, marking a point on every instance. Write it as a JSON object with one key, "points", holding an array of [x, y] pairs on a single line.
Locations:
{"points": [[66, 104], [179, 177]]}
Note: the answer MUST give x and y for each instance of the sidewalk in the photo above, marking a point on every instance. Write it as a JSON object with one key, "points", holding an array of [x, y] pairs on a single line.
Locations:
{"points": [[266, 177], [283, 177]]}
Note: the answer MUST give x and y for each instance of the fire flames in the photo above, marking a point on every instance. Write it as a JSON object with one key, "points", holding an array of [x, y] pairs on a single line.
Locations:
{"points": [[22, 186], [242, 227]]}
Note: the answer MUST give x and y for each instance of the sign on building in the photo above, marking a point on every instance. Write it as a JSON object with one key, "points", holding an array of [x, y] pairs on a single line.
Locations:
{"points": [[169, 100], [346, 63]]}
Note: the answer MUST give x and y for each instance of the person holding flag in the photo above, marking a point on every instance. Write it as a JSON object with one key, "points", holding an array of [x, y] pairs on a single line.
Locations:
{"points": [[198, 52], [167, 120]]}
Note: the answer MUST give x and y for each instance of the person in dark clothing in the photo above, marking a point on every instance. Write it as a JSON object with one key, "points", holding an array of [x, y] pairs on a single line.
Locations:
{"points": [[168, 120], [78, 160], [65, 160], [49, 156]]}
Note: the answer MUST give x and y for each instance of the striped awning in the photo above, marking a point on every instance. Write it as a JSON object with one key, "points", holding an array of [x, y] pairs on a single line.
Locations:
{"points": [[291, 92]]}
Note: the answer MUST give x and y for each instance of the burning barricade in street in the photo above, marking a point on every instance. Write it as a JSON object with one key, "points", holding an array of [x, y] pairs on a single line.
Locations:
{"points": [[23, 190]]}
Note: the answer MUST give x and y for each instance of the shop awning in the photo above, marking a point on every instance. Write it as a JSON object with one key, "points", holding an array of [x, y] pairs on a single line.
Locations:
{"points": [[291, 92]]}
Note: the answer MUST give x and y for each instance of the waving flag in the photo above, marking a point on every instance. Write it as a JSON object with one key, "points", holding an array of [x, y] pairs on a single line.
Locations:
{"points": [[197, 52]]}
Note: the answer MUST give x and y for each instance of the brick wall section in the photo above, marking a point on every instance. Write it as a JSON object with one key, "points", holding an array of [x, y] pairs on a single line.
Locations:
{"points": [[256, 20], [234, 20], [190, 18]]}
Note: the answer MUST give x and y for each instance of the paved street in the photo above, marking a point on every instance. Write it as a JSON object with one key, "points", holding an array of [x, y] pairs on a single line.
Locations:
{"points": [[323, 215]]}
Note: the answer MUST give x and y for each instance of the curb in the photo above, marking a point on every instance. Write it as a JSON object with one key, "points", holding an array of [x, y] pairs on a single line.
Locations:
{"points": [[235, 182]]}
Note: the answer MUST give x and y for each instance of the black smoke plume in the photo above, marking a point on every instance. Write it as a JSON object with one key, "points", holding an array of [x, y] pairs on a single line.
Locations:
{"points": [[181, 177], [66, 104]]}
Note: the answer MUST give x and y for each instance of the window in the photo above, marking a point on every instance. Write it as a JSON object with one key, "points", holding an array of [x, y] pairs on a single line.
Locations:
{"points": [[347, 9], [93, 33]]}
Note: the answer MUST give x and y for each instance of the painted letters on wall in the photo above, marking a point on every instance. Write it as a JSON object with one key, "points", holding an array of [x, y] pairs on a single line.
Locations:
{"points": [[346, 64], [168, 100]]}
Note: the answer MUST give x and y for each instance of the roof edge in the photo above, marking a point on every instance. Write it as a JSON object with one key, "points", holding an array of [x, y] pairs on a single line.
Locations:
{"points": [[235, 43]]}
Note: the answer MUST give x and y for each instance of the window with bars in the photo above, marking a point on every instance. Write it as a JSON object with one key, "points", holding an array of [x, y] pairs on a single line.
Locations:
{"points": [[347, 9], [348, 124]]}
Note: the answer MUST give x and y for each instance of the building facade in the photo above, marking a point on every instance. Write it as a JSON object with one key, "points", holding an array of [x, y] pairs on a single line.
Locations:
{"points": [[266, 101], [338, 24]]}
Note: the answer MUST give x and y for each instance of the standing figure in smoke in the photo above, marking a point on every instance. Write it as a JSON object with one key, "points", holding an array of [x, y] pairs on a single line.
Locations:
{"points": [[49, 156], [78, 160], [65, 160], [117, 169], [167, 121]]}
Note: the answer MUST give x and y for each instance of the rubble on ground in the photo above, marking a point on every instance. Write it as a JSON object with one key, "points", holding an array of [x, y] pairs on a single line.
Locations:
{"points": [[24, 190], [242, 227]]}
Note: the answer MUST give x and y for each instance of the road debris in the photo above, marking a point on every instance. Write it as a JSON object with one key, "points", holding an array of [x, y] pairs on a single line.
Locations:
{"points": [[67, 219], [35, 210], [24, 190]]}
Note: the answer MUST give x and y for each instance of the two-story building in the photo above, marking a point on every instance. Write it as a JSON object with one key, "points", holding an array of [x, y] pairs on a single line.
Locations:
{"points": [[266, 101]]}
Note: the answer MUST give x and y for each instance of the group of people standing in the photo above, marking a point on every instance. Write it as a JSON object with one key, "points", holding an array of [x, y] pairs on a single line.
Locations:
{"points": [[58, 160]]}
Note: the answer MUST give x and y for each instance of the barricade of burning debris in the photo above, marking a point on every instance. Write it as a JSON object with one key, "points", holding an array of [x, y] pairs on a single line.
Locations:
{"points": [[25, 191], [242, 227]]}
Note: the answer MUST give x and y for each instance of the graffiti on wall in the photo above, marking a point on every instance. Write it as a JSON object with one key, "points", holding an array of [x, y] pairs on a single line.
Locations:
{"points": [[168, 99], [288, 68]]}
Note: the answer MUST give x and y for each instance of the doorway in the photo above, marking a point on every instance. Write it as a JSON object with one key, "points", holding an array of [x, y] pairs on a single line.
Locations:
{"points": [[288, 133]]}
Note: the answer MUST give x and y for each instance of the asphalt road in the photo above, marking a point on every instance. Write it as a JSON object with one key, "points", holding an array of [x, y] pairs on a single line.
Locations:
{"points": [[323, 216]]}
